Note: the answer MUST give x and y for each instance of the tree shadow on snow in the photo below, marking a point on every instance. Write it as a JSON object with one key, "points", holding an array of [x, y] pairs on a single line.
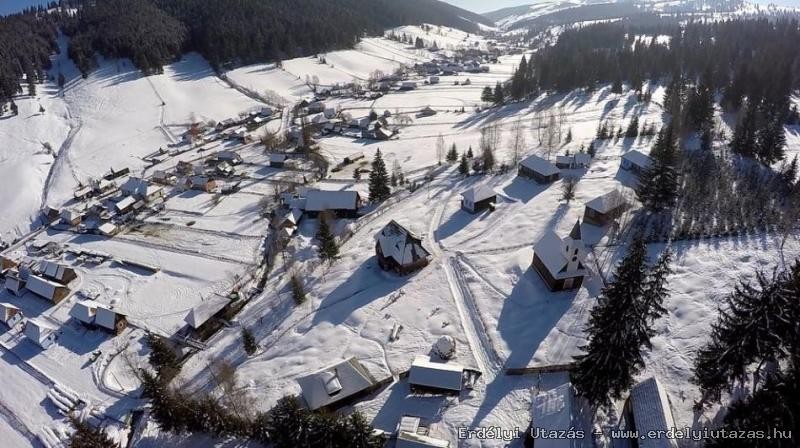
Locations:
{"points": [[523, 189]]}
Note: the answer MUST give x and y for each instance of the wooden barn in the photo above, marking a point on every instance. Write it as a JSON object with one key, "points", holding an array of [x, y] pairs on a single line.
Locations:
{"points": [[435, 377], [478, 198], [604, 209], [538, 169], [110, 319], [342, 203], [561, 262], [636, 162], [399, 250], [11, 314], [57, 272], [40, 332], [337, 385], [47, 289]]}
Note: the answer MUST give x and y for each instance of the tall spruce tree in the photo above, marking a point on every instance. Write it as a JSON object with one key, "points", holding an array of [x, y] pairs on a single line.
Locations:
{"points": [[744, 136], [328, 248], [658, 184], [770, 142], [463, 165], [379, 180], [633, 128]]}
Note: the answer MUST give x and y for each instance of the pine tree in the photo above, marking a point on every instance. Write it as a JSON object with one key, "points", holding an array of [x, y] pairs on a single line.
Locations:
{"points": [[378, 180], [701, 103], [568, 138], [463, 165], [744, 136], [162, 357], [658, 184], [613, 355], [591, 149], [488, 159], [62, 81], [328, 250], [499, 97], [469, 153], [633, 128], [655, 289], [452, 155], [298, 292], [770, 142], [249, 341], [87, 436], [487, 95]]}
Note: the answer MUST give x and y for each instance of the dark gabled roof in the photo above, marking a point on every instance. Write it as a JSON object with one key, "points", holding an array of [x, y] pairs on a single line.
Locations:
{"points": [[575, 234]]}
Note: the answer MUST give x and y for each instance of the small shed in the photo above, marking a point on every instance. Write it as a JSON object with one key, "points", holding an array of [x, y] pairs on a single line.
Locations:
{"points": [[352, 158], [433, 80], [110, 319], [47, 289], [538, 169], [277, 160], [648, 410], [428, 376], [561, 262], [40, 332], [478, 198], [565, 162], [399, 250], [343, 203], [57, 272], [108, 229], [412, 434], [336, 385], [604, 209], [636, 162], [11, 314]]}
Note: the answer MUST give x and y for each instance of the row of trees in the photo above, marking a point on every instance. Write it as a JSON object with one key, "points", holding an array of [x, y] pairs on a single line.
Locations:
{"points": [[26, 43]]}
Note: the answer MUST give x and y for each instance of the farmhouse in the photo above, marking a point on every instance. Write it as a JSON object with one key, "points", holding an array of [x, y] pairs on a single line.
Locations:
{"points": [[201, 183], [199, 316], [561, 262], [648, 409], [400, 250], [11, 315], [71, 217], [555, 410], [164, 178], [50, 290], [478, 198], [337, 385], [604, 209], [428, 376], [412, 434], [141, 189], [109, 319], [83, 193], [229, 156], [343, 203], [636, 162], [57, 272], [538, 169], [84, 311], [108, 229], [125, 205], [287, 219], [361, 123], [40, 333], [277, 160]]}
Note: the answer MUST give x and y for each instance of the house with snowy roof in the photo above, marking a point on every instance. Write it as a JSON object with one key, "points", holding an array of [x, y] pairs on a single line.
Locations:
{"points": [[604, 209], [108, 229], [648, 410], [46, 289], [337, 385], [40, 332], [399, 250], [57, 272], [288, 218], [552, 411], [199, 316], [573, 161], [107, 318], [201, 183], [478, 198], [141, 189], [164, 178], [561, 262], [538, 169], [15, 282], [84, 311], [342, 203], [10, 314], [636, 162], [125, 205], [411, 433], [71, 217], [438, 377]]}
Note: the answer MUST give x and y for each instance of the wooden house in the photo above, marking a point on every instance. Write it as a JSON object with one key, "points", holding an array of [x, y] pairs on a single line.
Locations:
{"points": [[164, 178], [184, 168], [648, 411], [71, 217], [201, 183], [437, 377], [538, 169], [40, 332], [84, 312], [142, 189], [15, 282], [478, 198], [46, 289], [336, 385], [554, 410], [110, 319], [411, 433], [636, 162], [352, 158], [342, 203], [399, 250], [561, 262], [125, 205], [604, 209], [108, 229], [57, 272], [408, 85], [11, 315], [229, 156]]}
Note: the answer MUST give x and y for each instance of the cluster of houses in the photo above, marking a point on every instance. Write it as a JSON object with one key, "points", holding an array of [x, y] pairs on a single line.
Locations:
{"points": [[448, 67], [331, 122], [230, 128]]}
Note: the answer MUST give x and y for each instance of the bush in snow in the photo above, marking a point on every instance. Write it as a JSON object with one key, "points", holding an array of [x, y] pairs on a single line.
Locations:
{"points": [[87, 436]]}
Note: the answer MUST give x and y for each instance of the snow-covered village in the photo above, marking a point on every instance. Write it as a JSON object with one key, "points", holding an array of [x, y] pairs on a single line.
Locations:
{"points": [[391, 223]]}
